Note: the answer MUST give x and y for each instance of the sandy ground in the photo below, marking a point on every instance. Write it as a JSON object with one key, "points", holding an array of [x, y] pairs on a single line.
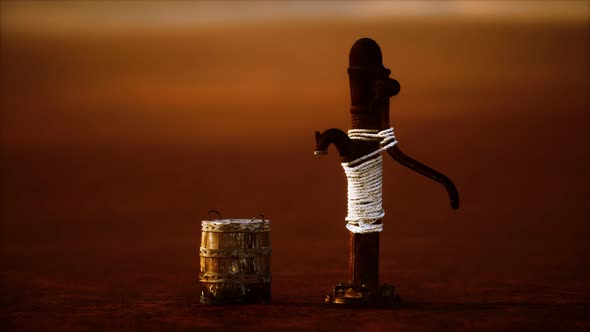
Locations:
{"points": [[111, 159]]}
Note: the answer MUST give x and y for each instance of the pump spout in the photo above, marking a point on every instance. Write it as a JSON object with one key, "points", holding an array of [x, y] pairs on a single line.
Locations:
{"points": [[348, 149], [342, 142], [418, 167]]}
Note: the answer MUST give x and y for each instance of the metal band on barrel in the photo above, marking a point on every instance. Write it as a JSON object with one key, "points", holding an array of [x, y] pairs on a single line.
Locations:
{"points": [[235, 278], [216, 227], [235, 253]]}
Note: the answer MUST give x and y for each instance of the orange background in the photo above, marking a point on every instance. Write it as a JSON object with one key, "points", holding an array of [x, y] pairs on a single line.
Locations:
{"points": [[124, 123]]}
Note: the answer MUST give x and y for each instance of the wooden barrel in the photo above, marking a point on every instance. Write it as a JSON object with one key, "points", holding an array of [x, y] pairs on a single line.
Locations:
{"points": [[235, 261]]}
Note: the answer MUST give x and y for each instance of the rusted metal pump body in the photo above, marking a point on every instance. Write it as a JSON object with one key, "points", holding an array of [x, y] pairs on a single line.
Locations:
{"points": [[370, 90]]}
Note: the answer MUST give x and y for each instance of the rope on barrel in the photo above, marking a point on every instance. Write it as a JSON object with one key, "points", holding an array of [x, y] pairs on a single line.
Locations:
{"points": [[235, 253], [226, 226], [241, 278], [365, 179]]}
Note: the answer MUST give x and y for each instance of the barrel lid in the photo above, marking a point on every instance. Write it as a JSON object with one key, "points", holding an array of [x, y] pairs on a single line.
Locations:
{"points": [[235, 225]]}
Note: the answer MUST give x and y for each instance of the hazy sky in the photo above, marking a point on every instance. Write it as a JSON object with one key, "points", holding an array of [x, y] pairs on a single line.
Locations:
{"points": [[112, 69], [74, 16]]}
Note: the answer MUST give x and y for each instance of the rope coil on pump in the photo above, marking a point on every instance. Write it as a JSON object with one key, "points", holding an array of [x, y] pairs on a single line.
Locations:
{"points": [[365, 179]]}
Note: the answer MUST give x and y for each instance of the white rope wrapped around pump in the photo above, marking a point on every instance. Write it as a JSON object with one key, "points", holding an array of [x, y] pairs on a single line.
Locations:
{"points": [[365, 177]]}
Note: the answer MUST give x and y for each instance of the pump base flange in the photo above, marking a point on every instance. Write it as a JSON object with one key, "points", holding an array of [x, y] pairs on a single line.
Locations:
{"points": [[345, 293]]}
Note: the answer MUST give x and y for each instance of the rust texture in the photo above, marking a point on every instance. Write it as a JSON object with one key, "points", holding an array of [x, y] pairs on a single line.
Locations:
{"points": [[370, 90]]}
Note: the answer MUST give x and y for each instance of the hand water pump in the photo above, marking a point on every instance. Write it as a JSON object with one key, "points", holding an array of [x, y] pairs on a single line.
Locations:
{"points": [[360, 153]]}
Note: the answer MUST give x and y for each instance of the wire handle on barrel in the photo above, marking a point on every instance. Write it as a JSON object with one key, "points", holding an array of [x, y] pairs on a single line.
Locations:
{"points": [[213, 211], [259, 215]]}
